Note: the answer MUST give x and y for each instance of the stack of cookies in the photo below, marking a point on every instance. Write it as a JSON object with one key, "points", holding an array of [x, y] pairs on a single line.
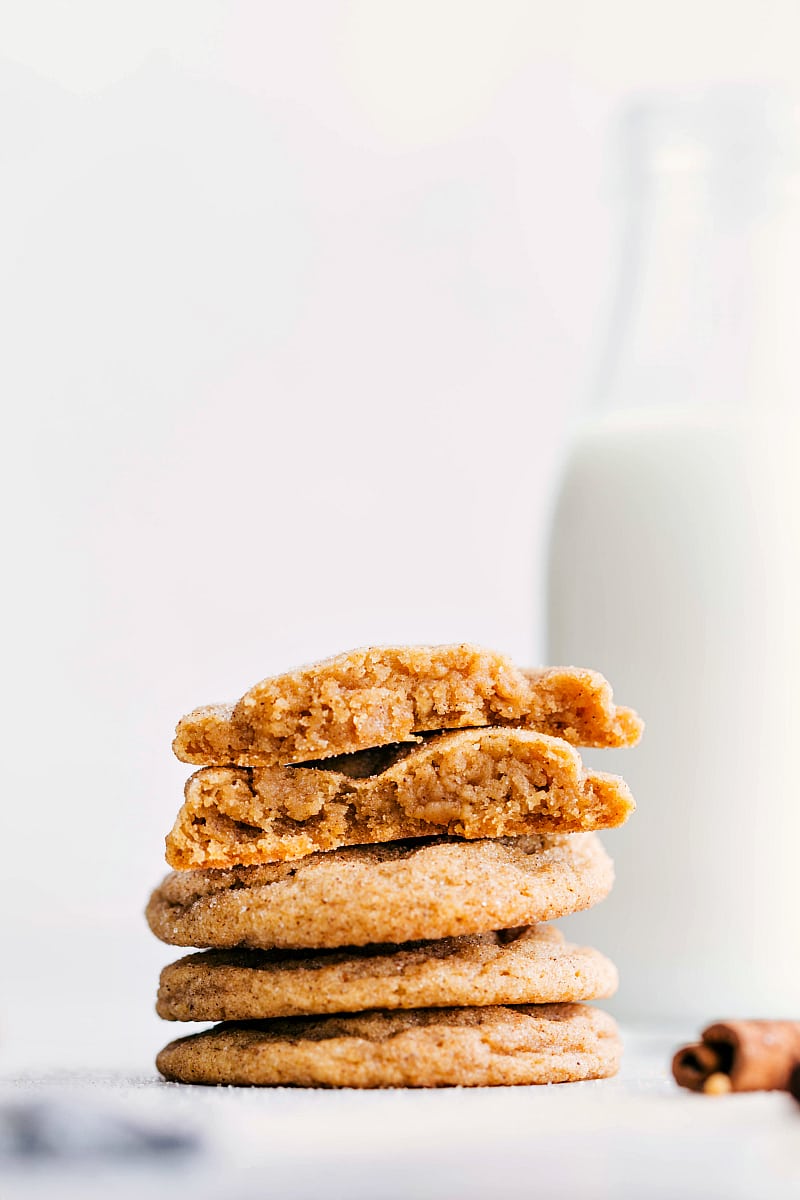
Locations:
{"points": [[365, 858]]}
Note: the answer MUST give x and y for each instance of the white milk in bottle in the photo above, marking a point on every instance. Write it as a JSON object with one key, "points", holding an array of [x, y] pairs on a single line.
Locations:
{"points": [[675, 563]]}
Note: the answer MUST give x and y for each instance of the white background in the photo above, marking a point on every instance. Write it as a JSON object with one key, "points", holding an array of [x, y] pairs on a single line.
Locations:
{"points": [[298, 303]]}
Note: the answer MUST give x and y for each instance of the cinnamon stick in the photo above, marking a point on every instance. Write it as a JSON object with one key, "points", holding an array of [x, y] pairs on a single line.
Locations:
{"points": [[754, 1056]]}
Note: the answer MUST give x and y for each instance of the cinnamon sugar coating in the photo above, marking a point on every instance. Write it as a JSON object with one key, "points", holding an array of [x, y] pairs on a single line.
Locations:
{"points": [[532, 965], [467, 1047], [396, 892]]}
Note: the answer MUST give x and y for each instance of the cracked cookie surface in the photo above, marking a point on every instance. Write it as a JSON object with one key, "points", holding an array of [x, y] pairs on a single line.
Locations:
{"points": [[532, 965], [468, 1047], [394, 892], [380, 695]]}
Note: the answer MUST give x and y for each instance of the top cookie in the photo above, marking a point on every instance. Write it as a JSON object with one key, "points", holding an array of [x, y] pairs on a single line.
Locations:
{"points": [[375, 696]]}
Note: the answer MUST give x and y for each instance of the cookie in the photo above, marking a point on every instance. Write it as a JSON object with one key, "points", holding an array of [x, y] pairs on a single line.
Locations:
{"points": [[472, 783], [531, 965], [395, 892], [438, 1047], [380, 695]]}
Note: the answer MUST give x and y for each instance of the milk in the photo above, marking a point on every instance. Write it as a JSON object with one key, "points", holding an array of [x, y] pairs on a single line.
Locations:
{"points": [[675, 570]]}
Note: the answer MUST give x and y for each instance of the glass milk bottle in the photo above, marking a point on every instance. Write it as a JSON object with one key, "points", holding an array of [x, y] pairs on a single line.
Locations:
{"points": [[675, 561]]}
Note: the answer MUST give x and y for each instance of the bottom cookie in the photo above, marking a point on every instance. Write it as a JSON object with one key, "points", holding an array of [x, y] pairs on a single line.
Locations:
{"points": [[444, 1047]]}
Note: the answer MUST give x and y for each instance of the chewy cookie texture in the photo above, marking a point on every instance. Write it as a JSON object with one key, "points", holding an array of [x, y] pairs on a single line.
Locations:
{"points": [[466, 1047], [472, 783], [399, 892], [514, 966], [381, 695], [366, 860]]}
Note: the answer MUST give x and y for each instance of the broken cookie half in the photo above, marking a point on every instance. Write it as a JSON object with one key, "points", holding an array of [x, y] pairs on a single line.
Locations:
{"points": [[383, 695], [475, 783]]}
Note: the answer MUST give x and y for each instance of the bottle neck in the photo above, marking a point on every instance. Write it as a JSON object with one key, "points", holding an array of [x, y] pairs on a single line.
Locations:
{"points": [[708, 308]]}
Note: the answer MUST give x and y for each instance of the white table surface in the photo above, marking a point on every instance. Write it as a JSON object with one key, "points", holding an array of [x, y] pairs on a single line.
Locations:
{"points": [[636, 1136]]}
